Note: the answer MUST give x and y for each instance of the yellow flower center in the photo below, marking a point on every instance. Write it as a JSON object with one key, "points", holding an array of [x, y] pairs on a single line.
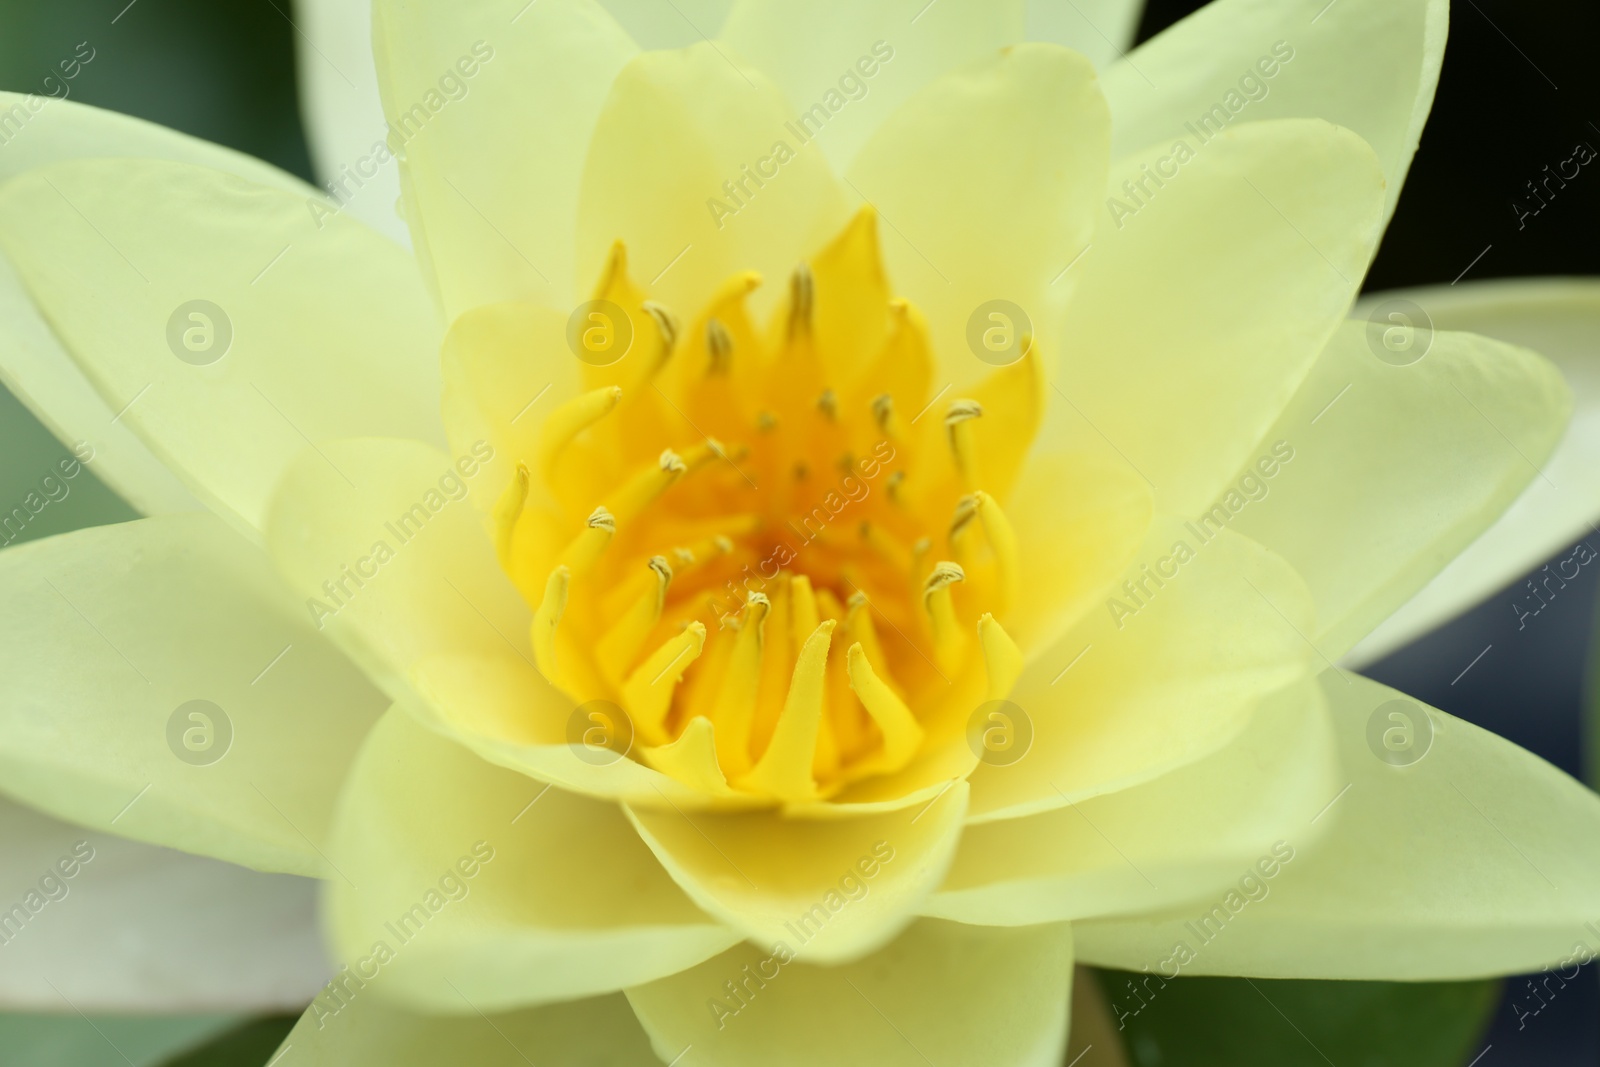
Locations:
{"points": [[780, 551]]}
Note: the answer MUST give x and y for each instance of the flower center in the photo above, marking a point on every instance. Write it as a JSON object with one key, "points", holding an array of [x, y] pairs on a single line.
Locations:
{"points": [[779, 550]]}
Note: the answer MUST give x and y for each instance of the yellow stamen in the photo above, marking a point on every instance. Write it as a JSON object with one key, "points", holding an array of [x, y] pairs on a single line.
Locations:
{"points": [[648, 690], [966, 511], [582, 551], [571, 419], [902, 736], [785, 769], [546, 618], [1001, 657], [507, 510], [958, 424], [736, 700], [949, 639], [1003, 541], [615, 651], [647, 484], [719, 346], [692, 758]]}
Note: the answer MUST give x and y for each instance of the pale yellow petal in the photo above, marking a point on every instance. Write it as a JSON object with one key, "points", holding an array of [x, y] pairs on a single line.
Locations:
{"points": [[677, 25], [378, 540], [500, 707], [1103, 30], [1174, 839], [161, 685], [1401, 469], [730, 188], [944, 993], [1078, 521], [487, 885], [1247, 60], [833, 889], [1464, 858], [989, 182], [1166, 670], [1210, 289], [311, 327], [1560, 319], [846, 65], [491, 106]]}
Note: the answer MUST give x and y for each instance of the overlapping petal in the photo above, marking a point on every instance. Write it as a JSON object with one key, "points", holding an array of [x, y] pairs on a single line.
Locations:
{"points": [[846, 66], [33, 363], [112, 635], [942, 992], [457, 880], [1396, 469], [1252, 246], [1169, 668], [491, 107], [835, 889], [1176, 839], [699, 124], [1472, 859], [1559, 319], [988, 182], [228, 322], [1272, 59]]}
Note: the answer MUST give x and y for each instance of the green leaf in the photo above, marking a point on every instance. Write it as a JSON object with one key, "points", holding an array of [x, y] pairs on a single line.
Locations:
{"points": [[249, 1045], [1236, 1022], [73, 1040]]}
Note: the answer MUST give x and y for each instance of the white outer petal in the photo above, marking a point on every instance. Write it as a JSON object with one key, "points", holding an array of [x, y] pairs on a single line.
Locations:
{"points": [[1560, 319], [341, 110], [143, 928]]}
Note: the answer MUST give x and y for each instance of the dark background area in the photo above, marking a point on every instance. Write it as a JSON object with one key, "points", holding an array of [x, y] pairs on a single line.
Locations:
{"points": [[1520, 87]]}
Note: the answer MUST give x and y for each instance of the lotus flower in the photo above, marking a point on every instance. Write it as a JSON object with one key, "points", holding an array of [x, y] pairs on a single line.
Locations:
{"points": [[900, 504]]}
